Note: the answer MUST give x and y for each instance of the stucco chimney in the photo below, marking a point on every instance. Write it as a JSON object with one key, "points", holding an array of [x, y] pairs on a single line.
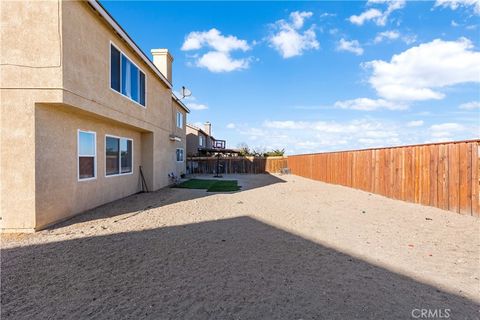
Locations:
{"points": [[162, 59], [208, 128]]}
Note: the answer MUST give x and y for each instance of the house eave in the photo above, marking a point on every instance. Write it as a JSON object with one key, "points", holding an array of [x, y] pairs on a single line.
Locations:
{"points": [[180, 103], [119, 30]]}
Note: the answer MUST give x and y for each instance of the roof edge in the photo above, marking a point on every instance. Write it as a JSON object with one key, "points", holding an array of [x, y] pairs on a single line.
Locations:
{"points": [[174, 97], [123, 34]]}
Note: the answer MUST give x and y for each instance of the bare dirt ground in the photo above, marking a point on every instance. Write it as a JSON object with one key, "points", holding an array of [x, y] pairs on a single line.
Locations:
{"points": [[282, 248]]}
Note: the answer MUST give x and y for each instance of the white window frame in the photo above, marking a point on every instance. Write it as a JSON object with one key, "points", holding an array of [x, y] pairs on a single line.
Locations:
{"points": [[179, 119], [110, 75], [119, 157], [183, 155], [94, 155], [201, 140]]}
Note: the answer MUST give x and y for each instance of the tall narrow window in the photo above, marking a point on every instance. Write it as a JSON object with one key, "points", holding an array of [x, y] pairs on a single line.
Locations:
{"points": [[115, 68], [179, 120], [126, 155], [201, 140], [119, 156], [142, 88], [112, 156], [126, 77], [179, 155], [86, 155]]}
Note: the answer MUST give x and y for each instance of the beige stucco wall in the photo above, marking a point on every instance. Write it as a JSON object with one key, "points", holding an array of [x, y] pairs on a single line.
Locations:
{"points": [[30, 70], [59, 193], [57, 82]]}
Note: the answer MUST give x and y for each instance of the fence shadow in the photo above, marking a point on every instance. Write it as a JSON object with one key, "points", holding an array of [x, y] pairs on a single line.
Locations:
{"points": [[237, 268]]}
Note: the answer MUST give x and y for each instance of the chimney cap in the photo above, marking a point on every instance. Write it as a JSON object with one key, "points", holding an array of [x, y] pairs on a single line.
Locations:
{"points": [[158, 52]]}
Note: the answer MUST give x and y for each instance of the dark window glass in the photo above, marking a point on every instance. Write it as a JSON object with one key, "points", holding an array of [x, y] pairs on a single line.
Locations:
{"points": [[112, 156], [142, 88], [126, 155], [126, 78], [114, 68], [86, 167], [179, 154], [134, 82]]}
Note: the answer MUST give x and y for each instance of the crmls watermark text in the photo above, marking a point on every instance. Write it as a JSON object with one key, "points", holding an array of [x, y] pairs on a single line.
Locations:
{"points": [[431, 313]]}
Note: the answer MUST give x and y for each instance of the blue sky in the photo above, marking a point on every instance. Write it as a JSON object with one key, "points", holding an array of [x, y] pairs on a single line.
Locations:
{"points": [[320, 76]]}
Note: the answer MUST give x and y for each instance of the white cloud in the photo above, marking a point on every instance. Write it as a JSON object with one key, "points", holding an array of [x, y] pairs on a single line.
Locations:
{"points": [[191, 102], [394, 35], [231, 126], [215, 40], [298, 18], [217, 61], [289, 40], [418, 72], [366, 104], [304, 136], [350, 46], [219, 58], [445, 130], [455, 4], [389, 34], [415, 123], [409, 39], [197, 106], [365, 16], [378, 17], [472, 105]]}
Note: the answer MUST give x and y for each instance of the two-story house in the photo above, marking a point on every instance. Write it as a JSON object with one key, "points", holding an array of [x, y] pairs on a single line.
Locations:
{"points": [[200, 141], [82, 110]]}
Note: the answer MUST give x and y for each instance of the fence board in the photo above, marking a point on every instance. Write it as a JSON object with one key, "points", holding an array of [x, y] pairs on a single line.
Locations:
{"points": [[453, 177], [433, 175], [409, 170], [443, 175], [465, 158], [475, 180]]}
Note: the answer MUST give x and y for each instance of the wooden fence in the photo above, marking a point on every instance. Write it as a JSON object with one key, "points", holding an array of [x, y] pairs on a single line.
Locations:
{"points": [[443, 175], [252, 165]]}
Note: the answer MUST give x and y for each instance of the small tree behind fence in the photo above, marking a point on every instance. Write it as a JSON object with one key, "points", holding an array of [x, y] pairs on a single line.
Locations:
{"points": [[231, 165]]}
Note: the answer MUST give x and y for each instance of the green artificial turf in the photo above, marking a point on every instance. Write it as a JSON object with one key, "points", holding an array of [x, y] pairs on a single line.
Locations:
{"points": [[210, 185]]}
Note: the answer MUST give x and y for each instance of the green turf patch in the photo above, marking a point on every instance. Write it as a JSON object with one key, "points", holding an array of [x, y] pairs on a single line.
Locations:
{"points": [[224, 186], [210, 185]]}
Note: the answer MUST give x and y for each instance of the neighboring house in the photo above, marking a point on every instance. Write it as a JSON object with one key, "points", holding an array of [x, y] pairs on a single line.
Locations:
{"points": [[82, 108], [200, 141]]}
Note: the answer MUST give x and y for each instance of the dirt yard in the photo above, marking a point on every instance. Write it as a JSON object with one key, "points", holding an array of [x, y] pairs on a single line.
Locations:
{"points": [[282, 248]]}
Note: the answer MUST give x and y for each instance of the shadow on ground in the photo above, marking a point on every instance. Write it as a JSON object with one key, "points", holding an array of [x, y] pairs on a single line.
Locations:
{"points": [[144, 201], [237, 268]]}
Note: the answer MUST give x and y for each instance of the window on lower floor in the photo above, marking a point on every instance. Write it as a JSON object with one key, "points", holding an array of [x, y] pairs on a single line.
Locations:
{"points": [[87, 155], [180, 155], [118, 156]]}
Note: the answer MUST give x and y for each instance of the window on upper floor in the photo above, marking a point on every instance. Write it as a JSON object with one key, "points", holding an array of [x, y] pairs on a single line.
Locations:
{"points": [[201, 140], [179, 120], [125, 77]]}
